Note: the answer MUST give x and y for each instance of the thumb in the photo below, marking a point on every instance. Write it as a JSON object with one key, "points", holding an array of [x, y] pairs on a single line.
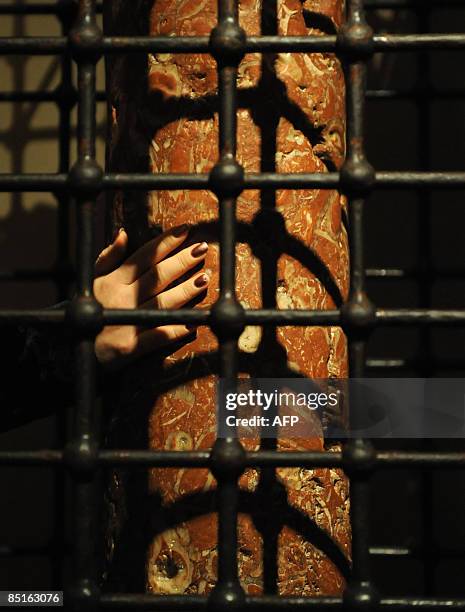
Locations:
{"points": [[110, 258]]}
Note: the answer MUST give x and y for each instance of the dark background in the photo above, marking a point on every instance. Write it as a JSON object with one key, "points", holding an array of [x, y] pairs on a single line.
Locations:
{"points": [[421, 233]]}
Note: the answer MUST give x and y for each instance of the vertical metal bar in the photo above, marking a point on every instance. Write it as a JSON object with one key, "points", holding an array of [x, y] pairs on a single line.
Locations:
{"points": [[84, 178], [86, 158], [357, 176], [228, 451], [227, 489]]}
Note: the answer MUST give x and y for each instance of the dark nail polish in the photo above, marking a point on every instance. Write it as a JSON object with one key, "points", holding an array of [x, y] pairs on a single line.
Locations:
{"points": [[200, 249], [201, 280]]}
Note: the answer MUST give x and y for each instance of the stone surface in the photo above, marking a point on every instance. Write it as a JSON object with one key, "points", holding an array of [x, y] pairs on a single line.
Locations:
{"points": [[292, 252]]}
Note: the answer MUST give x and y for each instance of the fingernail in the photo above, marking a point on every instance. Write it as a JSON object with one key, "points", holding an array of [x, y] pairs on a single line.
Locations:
{"points": [[121, 229], [201, 280], [179, 231], [200, 249]]}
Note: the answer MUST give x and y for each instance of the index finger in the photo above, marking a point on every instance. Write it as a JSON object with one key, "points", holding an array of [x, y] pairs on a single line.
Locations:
{"points": [[151, 253]]}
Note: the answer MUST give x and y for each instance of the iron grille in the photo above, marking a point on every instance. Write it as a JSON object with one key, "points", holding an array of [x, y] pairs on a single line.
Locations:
{"points": [[83, 43]]}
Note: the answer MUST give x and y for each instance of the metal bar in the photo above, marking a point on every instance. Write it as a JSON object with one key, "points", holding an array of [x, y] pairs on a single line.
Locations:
{"points": [[419, 316], [415, 42], [228, 588], [358, 307], [265, 602], [409, 94], [51, 45], [143, 317], [456, 273], [409, 364], [388, 460], [83, 314], [330, 180]]}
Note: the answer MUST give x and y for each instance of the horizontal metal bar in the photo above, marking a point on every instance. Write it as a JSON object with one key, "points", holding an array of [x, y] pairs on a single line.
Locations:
{"points": [[416, 273], [142, 601], [152, 318], [388, 273], [405, 604], [266, 602], [35, 458], [393, 180], [390, 551], [412, 94], [33, 45], [32, 182], [396, 552], [414, 364], [155, 458], [198, 459], [254, 44], [419, 460], [145, 317], [32, 317], [417, 42], [420, 316], [167, 181], [387, 363], [330, 180], [202, 316]]}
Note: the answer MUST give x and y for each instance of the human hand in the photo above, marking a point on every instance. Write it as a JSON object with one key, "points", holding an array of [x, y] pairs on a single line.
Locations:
{"points": [[141, 281]]}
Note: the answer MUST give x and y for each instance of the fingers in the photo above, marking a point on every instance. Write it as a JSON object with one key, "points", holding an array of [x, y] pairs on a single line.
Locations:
{"points": [[153, 251], [179, 295], [158, 337], [116, 347], [156, 279], [112, 255]]}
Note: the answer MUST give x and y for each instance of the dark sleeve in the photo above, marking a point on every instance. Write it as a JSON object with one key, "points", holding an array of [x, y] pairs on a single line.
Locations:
{"points": [[37, 373]]}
